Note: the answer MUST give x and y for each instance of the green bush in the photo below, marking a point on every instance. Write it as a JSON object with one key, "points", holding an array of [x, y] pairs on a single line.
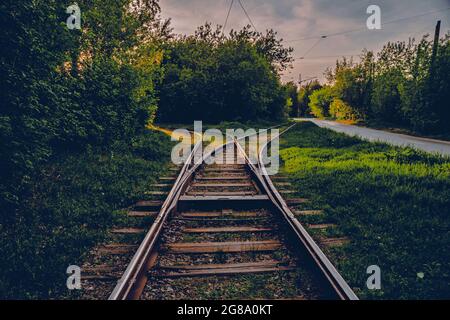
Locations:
{"points": [[320, 101], [71, 102], [341, 111], [151, 147], [68, 210]]}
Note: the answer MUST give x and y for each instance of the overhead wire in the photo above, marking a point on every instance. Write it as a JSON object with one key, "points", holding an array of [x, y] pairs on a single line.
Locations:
{"points": [[311, 48], [248, 16], [303, 57], [228, 16], [361, 29]]}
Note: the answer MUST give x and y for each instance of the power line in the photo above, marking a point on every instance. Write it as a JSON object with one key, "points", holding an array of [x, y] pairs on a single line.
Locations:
{"points": [[228, 15], [248, 17], [417, 16], [332, 56], [414, 34], [356, 53], [361, 29], [310, 49]]}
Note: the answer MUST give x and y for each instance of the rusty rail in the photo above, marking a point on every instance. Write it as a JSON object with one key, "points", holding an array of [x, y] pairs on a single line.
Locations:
{"points": [[132, 282], [330, 273]]}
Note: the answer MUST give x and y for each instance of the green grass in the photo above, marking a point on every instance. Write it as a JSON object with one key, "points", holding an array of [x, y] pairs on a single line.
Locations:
{"points": [[376, 124], [392, 203], [74, 201]]}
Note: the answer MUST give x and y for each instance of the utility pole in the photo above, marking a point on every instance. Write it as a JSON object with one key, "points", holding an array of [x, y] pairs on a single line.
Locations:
{"points": [[298, 91], [431, 94], [435, 47]]}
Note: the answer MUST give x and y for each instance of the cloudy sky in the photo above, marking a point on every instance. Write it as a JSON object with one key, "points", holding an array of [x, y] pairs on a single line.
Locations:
{"points": [[301, 23]]}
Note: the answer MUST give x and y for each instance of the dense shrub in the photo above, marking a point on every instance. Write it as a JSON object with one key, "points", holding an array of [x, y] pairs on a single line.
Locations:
{"points": [[304, 96], [71, 205], [66, 97], [320, 101], [341, 111]]}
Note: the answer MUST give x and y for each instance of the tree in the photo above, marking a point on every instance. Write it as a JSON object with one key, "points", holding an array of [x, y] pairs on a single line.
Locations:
{"points": [[292, 103], [217, 78], [424, 95], [341, 111], [304, 95], [391, 71], [320, 101], [396, 86], [64, 92], [267, 45]]}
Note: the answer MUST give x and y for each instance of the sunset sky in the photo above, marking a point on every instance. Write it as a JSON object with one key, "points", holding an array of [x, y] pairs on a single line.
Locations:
{"points": [[302, 22]]}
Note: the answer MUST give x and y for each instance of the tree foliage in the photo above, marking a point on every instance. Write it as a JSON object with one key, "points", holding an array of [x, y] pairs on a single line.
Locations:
{"points": [[292, 103], [320, 101], [403, 85], [62, 93], [304, 95], [62, 88], [217, 78], [341, 110]]}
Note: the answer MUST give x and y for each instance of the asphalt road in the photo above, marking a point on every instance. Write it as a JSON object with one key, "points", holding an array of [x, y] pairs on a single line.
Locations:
{"points": [[402, 140]]}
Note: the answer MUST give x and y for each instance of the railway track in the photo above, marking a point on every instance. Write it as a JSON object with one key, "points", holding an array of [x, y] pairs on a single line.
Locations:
{"points": [[225, 232]]}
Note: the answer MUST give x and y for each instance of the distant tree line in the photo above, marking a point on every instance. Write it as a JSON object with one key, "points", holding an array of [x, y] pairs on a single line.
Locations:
{"points": [[406, 84]]}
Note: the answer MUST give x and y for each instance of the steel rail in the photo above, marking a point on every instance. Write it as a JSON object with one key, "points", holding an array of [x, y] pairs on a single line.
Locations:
{"points": [[126, 285], [328, 270], [130, 285]]}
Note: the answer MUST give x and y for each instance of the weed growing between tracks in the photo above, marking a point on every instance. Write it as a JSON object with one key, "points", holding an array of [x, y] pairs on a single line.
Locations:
{"points": [[392, 203], [72, 205], [274, 285]]}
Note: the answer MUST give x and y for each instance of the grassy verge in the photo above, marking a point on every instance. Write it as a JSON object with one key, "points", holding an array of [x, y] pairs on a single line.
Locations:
{"points": [[392, 203], [72, 205], [402, 130]]}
